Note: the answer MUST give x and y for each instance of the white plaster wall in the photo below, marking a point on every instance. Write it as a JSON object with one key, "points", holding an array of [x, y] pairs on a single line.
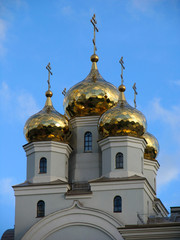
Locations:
{"points": [[150, 171], [79, 233], [26, 210], [57, 161], [132, 152], [84, 166]]}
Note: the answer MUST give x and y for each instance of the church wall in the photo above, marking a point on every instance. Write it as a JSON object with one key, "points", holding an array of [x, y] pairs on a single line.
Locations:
{"points": [[132, 156], [26, 210], [85, 165], [79, 233]]}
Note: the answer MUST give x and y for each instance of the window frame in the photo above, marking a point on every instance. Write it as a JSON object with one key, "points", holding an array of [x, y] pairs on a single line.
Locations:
{"points": [[119, 161], [43, 165], [117, 204], [88, 142], [40, 209]]}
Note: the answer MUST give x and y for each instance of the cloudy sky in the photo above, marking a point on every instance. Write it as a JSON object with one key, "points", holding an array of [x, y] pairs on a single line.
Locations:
{"points": [[32, 33]]}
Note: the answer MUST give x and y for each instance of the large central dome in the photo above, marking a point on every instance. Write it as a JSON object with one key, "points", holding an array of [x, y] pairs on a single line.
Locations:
{"points": [[92, 96]]}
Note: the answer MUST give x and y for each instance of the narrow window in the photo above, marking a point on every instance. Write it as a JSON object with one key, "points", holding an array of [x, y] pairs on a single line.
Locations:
{"points": [[119, 160], [117, 204], [41, 209], [43, 165], [88, 142]]}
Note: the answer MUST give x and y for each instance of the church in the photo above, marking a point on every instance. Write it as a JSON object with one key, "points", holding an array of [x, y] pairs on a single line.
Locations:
{"points": [[91, 173]]}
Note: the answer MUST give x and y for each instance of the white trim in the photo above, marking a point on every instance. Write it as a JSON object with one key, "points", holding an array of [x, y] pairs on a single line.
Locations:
{"points": [[122, 141], [84, 121], [47, 146]]}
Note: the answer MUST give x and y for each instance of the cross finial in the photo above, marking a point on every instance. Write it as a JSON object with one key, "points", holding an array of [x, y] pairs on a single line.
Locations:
{"points": [[48, 67], [94, 22], [135, 93], [64, 92], [122, 68]]}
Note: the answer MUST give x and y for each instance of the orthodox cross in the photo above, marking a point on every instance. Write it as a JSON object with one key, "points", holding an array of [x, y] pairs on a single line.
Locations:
{"points": [[135, 93], [94, 22], [122, 68], [64, 92], [48, 67]]}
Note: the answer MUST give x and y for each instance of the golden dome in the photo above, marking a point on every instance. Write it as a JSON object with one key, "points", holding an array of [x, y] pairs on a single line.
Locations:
{"points": [[47, 125], [122, 119], [92, 96], [152, 147]]}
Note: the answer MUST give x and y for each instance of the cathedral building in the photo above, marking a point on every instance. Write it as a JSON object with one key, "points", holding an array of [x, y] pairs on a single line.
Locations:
{"points": [[91, 173]]}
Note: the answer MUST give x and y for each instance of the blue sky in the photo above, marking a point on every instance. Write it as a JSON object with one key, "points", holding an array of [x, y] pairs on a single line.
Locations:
{"points": [[32, 33]]}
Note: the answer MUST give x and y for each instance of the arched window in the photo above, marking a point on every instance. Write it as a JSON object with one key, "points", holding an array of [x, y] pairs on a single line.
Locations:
{"points": [[117, 204], [41, 209], [88, 142], [119, 160], [43, 165]]}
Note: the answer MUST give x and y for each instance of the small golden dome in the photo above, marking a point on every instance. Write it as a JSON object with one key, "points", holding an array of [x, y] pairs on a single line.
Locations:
{"points": [[122, 119], [92, 96], [47, 125], [152, 147]]}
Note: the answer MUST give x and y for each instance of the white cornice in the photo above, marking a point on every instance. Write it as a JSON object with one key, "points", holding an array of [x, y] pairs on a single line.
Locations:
{"points": [[84, 121], [149, 164], [122, 141], [38, 190], [47, 146]]}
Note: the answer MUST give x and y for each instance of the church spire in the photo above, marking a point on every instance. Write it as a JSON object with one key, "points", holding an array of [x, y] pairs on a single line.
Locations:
{"points": [[122, 88], [94, 57]]}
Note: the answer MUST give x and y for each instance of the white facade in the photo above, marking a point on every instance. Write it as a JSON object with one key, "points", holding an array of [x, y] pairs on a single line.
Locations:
{"points": [[82, 204]]}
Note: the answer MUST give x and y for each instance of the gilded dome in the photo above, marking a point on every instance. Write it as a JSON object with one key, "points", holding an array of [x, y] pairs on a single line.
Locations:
{"points": [[92, 96], [152, 147], [47, 125], [122, 119]]}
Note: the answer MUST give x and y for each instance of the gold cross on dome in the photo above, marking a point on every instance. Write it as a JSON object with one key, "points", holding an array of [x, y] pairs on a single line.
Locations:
{"points": [[94, 22], [64, 92], [48, 67], [122, 68], [135, 93]]}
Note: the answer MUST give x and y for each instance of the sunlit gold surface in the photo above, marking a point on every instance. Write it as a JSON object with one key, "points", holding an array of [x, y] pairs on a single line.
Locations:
{"points": [[92, 96], [122, 119], [47, 125], [152, 147]]}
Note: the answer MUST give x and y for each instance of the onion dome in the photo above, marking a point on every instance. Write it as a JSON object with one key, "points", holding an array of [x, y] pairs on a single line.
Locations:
{"points": [[47, 125], [122, 119], [152, 147], [92, 96]]}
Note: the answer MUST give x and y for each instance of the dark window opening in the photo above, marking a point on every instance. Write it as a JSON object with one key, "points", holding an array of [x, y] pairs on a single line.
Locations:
{"points": [[119, 160], [88, 142], [41, 209], [43, 165], [117, 204]]}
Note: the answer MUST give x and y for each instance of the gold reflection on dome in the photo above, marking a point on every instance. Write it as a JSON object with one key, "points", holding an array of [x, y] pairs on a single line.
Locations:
{"points": [[152, 147], [47, 125], [122, 119], [92, 96]]}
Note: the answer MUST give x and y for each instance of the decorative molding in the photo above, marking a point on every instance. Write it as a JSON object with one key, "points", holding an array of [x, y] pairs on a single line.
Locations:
{"points": [[84, 121]]}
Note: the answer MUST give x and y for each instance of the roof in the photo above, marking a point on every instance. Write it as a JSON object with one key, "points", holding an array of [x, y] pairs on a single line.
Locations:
{"points": [[106, 179], [8, 235], [29, 184]]}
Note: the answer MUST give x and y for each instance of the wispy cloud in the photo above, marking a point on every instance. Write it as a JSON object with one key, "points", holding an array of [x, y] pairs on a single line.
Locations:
{"points": [[67, 10], [3, 30], [19, 106], [169, 170], [6, 191], [170, 118], [143, 5], [175, 82]]}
